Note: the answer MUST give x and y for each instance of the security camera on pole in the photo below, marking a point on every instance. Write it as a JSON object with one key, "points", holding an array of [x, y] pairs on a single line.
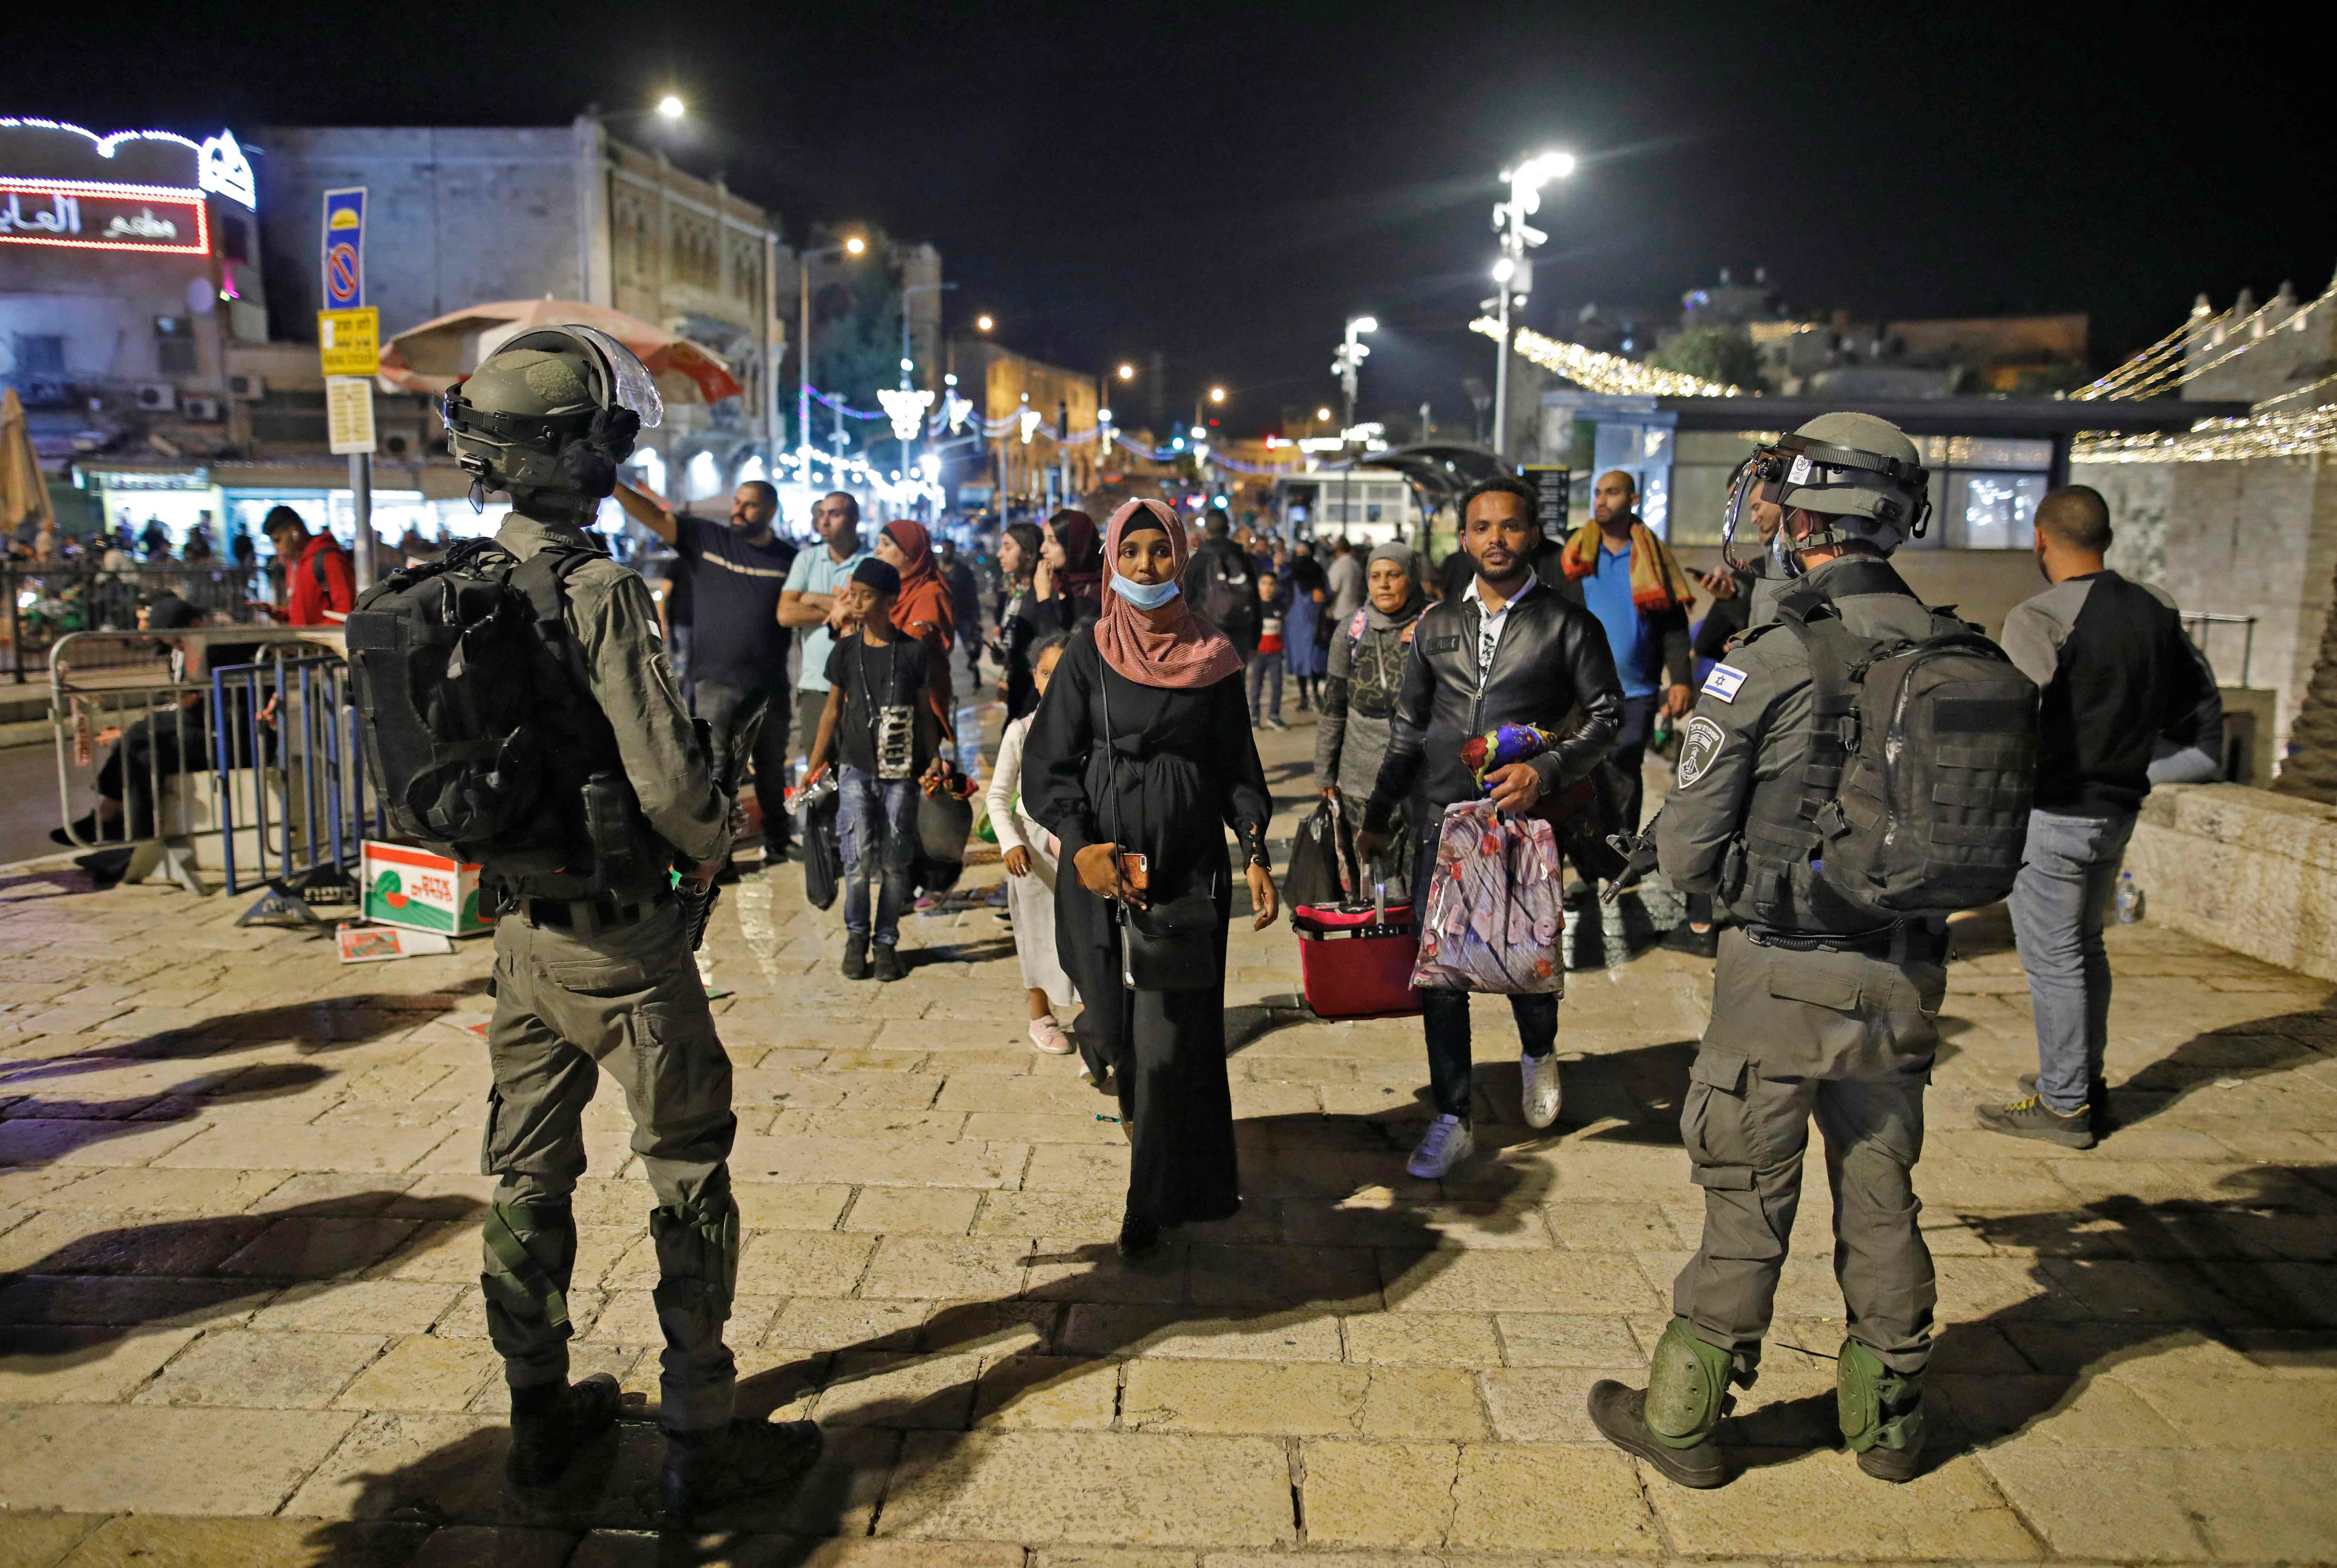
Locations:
{"points": [[1350, 359], [1513, 272]]}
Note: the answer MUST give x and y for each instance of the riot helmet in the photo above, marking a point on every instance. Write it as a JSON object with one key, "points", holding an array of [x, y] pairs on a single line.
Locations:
{"points": [[547, 417], [1859, 473]]}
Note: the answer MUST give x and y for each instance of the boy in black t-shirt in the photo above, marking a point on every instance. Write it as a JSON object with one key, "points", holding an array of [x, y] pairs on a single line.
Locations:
{"points": [[887, 716]]}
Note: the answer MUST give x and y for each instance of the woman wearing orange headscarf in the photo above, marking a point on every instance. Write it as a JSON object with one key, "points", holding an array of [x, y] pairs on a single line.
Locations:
{"points": [[1141, 747], [923, 608]]}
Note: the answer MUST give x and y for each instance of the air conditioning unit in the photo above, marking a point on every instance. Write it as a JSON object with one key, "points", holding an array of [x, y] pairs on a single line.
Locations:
{"points": [[157, 396], [246, 389], [202, 410]]}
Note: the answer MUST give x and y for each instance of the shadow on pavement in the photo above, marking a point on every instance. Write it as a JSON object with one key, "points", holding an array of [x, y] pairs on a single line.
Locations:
{"points": [[1235, 1279], [2179, 1276]]}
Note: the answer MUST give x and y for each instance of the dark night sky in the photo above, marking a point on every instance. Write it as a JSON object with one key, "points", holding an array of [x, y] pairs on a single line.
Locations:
{"points": [[1223, 186]]}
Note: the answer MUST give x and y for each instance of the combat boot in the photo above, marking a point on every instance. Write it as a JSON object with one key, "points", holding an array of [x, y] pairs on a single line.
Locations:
{"points": [[1881, 1414], [855, 957], [1669, 1425], [746, 1458], [553, 1422]]}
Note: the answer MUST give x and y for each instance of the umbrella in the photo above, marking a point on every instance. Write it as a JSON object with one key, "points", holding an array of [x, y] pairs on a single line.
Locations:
{"points": [[24, 493], [433, 357]]}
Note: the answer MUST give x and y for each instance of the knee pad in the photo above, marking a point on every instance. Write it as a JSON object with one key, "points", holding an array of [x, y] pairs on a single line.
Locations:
{"points": [[1878, 1407], [532, 1248], [1688, 1387], [697, 1253]]}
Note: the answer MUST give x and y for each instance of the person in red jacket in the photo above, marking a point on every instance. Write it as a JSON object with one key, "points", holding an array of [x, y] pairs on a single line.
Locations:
{"points": [[319, 589]]}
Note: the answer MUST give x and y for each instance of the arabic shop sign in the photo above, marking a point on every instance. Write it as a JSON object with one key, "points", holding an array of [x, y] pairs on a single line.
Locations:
{"points": [[89, 216]]}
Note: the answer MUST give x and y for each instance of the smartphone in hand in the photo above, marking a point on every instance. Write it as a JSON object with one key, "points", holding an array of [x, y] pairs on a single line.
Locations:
{"points": [[1135, 871]]}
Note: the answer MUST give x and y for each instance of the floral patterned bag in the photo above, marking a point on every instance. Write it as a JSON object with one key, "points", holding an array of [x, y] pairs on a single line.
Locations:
{"points": [[1493, 920]]}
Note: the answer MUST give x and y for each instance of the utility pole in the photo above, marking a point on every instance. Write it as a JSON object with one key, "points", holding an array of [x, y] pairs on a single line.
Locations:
{"points": [[1513, 273]]}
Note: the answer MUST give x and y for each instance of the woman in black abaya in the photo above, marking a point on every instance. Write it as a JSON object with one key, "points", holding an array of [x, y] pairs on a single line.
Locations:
{"points": [[1178, 769]]}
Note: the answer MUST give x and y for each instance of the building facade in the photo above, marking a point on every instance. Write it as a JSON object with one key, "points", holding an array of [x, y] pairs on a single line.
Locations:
{"points": [[1030, 467]]}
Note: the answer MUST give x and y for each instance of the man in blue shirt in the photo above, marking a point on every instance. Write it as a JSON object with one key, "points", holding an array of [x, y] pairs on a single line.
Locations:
{"points": [[1626, 577], [808, 605]]}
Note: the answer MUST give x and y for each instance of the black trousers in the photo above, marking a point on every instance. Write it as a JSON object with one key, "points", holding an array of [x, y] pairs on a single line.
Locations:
{"points": [[749, 725], [1629, 752], [1444, 1015]]}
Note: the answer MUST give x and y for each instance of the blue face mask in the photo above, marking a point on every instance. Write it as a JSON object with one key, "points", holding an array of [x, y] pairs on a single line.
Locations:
{"points": [[1144, 595]]}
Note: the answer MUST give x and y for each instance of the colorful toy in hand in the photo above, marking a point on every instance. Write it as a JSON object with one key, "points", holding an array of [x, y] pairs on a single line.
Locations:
{"points": [[1487, 754]]}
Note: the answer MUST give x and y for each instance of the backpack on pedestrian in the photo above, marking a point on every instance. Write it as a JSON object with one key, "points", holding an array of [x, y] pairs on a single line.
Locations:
{"points": [[1228, 599], [478, 726], [1921, 762]]}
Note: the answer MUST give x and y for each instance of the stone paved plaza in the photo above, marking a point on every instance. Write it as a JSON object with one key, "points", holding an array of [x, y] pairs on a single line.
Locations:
{"points": [[240, 1313]]}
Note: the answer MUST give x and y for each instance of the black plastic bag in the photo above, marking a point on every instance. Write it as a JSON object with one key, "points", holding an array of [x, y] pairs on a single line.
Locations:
{"points": [[823, 855], [1312, 878]]}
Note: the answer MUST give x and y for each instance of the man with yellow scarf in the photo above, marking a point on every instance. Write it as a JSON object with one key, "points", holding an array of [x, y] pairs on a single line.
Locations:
{"points": [[1616, 568]]}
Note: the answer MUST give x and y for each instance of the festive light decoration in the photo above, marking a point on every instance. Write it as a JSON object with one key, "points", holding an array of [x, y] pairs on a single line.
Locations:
{"points": [[1611, 373], [220, 166], [2310, 434], [2167, 364], [1028, 419], [955, 410], [906, 407]]}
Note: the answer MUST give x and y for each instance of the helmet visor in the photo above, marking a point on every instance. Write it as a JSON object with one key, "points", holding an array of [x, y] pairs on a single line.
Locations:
{"points": [[633, 387]]}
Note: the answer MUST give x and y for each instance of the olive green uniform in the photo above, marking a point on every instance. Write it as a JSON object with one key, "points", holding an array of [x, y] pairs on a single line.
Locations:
{"points": [[1816, 1013], [579, 988]]}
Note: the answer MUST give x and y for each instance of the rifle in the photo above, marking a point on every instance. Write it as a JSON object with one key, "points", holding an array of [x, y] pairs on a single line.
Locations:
{"points": [[1639, 858]]}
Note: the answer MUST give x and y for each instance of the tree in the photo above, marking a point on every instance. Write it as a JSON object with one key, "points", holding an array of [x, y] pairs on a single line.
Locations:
{"points": [[855, 330], [1722, 354]]}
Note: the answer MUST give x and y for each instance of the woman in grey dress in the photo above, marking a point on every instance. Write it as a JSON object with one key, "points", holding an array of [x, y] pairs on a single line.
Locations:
{"points": [[1365, 675]]}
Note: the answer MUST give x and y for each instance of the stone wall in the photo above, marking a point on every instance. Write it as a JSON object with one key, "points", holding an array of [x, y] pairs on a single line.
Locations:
{"points": [[2243, 868]]}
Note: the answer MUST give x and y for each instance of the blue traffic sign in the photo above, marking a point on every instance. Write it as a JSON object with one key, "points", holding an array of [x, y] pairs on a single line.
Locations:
{"points": [[345, 248]]}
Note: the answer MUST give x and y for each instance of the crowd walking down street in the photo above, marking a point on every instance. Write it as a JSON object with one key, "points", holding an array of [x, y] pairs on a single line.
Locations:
{"points": [[1049, 1206]]}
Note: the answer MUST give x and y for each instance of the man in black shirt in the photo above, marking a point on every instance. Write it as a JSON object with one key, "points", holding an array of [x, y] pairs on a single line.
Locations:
{"points": [[887, 716], [2115, 673], [739, 650]]}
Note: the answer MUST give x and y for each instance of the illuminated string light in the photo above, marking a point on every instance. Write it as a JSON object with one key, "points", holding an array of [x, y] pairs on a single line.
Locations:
{"points": [[1609, 373], [906, 407], [2167, 364], [220, 166]]}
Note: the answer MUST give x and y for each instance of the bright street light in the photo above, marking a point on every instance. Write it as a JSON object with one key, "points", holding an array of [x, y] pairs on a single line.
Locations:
{"points": [[1513, 272], [1217, 394], [1322, 414], [1128, 372], [669, 107], [1365, 324], [1353, 352], [983, 323], [855, 246]]}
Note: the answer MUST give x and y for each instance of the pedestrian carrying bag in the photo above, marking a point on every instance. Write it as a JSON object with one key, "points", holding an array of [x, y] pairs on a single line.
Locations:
{"points": [[1167, 947], [1923, 760], [1494, 919]]}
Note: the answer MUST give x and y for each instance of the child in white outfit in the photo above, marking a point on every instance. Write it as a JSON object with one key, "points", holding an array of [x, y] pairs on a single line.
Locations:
{"points": [[1030, 852]]}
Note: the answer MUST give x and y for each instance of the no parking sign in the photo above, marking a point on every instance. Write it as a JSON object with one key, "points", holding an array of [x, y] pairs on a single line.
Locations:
{"points": [[345, 248]]}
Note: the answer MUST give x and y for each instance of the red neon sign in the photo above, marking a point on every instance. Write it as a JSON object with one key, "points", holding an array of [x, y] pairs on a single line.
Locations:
{"points": [[90, 215]]}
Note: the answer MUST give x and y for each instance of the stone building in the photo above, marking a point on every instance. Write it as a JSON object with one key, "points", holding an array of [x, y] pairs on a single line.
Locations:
{"points": [[1036, 473], [460, 216]]}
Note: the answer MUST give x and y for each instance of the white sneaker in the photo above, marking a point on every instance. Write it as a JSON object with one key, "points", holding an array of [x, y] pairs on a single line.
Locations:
{"points": [[1048, 1036], [1446, 1144], [1539, 1092]]}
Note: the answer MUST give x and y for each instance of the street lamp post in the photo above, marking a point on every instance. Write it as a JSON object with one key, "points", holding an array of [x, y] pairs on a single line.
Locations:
{"points": [[1513, 274], [851, 247], [1350, 359]]}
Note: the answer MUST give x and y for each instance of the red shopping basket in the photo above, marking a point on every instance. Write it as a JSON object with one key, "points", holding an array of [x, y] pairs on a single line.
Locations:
{"points": [[1357, 962]]}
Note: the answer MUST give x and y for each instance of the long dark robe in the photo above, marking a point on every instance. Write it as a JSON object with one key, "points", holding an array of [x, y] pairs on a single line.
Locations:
{"points": [[1182, 769]]}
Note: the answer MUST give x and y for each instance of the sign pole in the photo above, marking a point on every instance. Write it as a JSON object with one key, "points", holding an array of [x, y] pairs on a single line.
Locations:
{"points": [[349, 338]]}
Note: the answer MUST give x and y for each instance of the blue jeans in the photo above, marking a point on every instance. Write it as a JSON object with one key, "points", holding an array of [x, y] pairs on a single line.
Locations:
{"points": [[2069, 876], [877, 821], [1265, 671]]}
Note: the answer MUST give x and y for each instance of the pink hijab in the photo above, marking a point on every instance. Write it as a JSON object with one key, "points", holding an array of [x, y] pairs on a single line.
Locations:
{"points": [[1171, 647]]}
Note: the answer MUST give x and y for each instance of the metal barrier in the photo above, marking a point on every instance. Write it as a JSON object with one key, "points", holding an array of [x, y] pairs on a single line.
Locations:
{"points": [[47, 602], [237, 742]]}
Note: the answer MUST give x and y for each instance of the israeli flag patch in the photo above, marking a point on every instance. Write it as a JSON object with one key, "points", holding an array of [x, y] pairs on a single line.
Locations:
{"points": [[1724, 681]]}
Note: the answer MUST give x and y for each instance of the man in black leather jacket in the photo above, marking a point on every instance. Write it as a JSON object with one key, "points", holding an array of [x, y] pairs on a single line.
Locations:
{"points": [[1505, 650]]}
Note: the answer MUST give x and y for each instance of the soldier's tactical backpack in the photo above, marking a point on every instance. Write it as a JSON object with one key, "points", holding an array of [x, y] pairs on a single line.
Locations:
{"points": [[1922, 757], [479, 730]]}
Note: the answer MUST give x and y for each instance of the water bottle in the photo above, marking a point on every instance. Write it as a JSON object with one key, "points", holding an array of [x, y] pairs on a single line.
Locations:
{"points": [[2128, 904]]}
